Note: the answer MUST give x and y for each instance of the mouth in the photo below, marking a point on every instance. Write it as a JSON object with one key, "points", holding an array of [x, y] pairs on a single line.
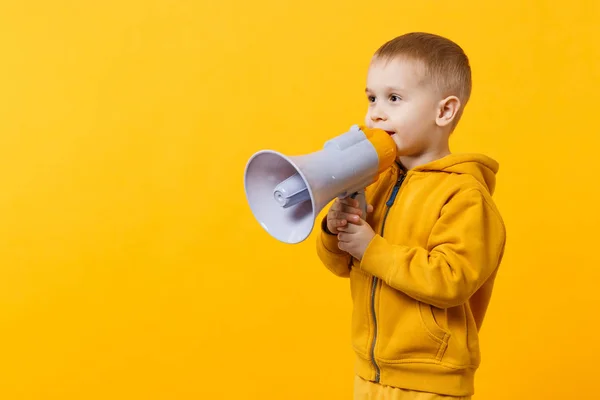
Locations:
{"points": [[391, 133]]}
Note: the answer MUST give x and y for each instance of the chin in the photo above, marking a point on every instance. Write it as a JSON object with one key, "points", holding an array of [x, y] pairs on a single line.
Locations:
{"points": [[396, 140]]}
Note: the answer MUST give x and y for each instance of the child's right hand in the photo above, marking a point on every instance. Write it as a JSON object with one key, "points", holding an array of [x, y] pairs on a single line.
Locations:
{"points": [[344, 211]]}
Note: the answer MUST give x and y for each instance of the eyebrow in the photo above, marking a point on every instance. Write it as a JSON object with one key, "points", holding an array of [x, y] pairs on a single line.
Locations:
{"points": [[388, 88]]}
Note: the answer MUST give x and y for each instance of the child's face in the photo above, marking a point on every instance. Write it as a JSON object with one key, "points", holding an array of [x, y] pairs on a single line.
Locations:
{"points": [[402, 103]]}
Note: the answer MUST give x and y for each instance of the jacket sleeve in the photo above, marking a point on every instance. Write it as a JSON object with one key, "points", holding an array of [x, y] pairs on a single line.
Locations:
{"points": [[336, 260], [465, 247]]}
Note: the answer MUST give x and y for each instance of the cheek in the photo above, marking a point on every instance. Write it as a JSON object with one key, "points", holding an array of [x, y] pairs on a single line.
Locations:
{"points": [[409, 125], [405, 138]]}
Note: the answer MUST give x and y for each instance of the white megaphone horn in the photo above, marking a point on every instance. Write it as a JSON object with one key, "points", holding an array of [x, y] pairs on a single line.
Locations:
{"points": [[286, 194]]}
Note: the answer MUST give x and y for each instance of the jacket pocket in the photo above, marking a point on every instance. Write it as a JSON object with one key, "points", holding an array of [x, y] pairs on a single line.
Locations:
{"points": [[408, 330], [430, 322]]}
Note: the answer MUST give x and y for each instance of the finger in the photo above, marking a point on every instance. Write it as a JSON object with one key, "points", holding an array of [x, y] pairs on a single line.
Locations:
{"points": [[370, 208], [348, 205], [338, 223], [351, 228], [355, 226], [349, 201], [344, 237], [352, 210], [343, 216], [337, 205]]}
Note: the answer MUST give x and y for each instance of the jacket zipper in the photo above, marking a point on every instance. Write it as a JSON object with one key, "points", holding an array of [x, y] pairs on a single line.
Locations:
{"points": [[389, 204]]}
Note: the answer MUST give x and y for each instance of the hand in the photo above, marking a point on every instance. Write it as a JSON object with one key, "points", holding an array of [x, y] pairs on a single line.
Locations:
{"points": [[355, 238], [344, 211]]}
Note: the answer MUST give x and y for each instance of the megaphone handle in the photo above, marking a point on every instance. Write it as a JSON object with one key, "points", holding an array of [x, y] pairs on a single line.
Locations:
{"points": [[362, 202]]}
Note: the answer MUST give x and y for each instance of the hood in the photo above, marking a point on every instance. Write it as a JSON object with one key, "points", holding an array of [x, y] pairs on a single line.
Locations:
{"points": [[481, 167]]}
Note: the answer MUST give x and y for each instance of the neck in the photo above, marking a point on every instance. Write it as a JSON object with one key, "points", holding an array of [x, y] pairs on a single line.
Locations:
{"points": [[411, 162]]}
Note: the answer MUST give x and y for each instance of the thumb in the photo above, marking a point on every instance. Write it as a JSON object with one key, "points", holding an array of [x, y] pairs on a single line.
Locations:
{"points": [[361, 221]]}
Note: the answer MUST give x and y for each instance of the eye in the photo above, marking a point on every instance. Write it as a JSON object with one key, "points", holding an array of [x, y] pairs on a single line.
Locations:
{"points": [[371, 99], [395, 98]]}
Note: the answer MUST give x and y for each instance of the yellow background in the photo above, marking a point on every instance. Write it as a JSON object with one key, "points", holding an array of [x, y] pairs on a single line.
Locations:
{"points": [[127, 264]]}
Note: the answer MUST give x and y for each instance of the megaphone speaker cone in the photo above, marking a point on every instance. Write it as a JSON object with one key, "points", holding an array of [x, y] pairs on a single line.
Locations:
{"points": [[279, 196]]}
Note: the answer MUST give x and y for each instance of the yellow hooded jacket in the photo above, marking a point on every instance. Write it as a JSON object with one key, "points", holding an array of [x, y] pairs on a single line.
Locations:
{"points": [[423, 286]]}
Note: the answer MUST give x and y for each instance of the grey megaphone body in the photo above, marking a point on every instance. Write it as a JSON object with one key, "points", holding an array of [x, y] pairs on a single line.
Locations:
{"points": [[287, 193]]}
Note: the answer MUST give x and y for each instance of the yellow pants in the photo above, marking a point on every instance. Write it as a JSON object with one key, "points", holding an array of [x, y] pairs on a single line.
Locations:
{"points": [[365, 390]]}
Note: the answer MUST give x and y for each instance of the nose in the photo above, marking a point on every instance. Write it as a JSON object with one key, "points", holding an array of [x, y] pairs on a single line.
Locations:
{"points": [[376, 114]]}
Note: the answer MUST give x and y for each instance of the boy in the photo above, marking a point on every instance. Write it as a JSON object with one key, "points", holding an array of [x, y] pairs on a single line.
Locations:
{"points": [[423, 263]]}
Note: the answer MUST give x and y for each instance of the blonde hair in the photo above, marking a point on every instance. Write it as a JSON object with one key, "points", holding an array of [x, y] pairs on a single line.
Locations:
{"points": [[445, 63]]}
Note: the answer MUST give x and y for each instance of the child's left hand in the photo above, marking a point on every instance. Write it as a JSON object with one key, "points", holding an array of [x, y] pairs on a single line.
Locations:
{"points": [[354, 238]]}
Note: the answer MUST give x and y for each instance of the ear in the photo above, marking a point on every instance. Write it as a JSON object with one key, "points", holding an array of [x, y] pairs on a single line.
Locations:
{"points": [[447, 110]]}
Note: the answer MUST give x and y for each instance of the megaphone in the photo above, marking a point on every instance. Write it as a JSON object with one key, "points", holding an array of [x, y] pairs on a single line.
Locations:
{"points": [[287, 193]]}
